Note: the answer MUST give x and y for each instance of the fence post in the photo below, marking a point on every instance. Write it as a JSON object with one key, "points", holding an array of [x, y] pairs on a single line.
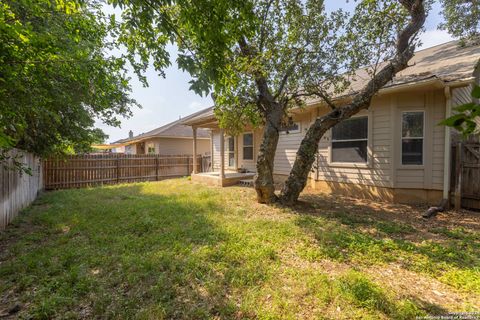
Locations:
{"points": [[156, 166], [118, 167], [188, 165], [458, 176]]}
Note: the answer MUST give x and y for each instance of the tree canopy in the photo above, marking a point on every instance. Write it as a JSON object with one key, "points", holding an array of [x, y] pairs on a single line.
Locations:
{"points": [[461, 19], [262, 57], [57, 75]]}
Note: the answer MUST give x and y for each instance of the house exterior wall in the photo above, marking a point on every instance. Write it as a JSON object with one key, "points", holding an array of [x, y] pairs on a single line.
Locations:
{"points": [[250, 165], [383, 176], [172, 146], [288, 143], [177, 146], [384, 169], [119, 149], [131, 149]]}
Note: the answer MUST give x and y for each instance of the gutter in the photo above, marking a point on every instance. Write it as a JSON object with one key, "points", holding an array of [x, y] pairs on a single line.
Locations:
{"points": [[392, 88], [447, 146]]}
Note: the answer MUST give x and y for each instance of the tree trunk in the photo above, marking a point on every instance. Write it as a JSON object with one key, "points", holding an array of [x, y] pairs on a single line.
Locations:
{"points": [[273, 112], [297, 179], [263, 181]]}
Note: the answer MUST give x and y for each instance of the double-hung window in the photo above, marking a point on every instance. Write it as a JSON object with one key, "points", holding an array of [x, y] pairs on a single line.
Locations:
{"points": [[248, 146], [350, 141], [412, 137], [151, 148], [231, 151]]}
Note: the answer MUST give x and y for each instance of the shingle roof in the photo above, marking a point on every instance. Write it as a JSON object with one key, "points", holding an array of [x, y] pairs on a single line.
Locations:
{"points": [[447, 62], [175, 129], [204, 114]]}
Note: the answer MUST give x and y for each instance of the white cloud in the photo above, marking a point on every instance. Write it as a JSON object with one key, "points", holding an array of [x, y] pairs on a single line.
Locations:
{"points": [[432, 38]]}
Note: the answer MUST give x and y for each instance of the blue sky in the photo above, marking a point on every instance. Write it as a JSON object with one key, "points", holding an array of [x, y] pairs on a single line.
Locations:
{"points": [[167, 99]]}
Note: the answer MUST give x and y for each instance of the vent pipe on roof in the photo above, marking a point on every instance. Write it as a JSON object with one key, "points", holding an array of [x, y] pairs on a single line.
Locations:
{"points": [[130, 134]]}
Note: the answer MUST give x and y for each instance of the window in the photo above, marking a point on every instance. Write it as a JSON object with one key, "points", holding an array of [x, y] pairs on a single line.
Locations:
{"points": [[151, 149], [349, 140], [412, 137], [231, 151], [248, 146], [294, 127]]}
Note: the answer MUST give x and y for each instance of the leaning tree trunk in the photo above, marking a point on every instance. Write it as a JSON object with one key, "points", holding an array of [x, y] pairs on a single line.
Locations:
{"points": [[263, 181], [297, 179]]}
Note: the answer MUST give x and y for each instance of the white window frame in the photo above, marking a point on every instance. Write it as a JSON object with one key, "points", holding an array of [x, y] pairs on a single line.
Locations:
{"points": [[367, 164], [231, 151], [298, 123], [151, 145], [411, 138], [252, 146]]}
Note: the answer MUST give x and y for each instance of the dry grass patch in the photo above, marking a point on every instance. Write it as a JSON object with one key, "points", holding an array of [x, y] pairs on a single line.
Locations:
{"points": [[175, 249]]}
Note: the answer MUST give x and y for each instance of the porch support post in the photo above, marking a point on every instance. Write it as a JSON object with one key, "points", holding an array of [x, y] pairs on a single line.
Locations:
{"points": [[222, 154], [212, 165], [195, 169]]}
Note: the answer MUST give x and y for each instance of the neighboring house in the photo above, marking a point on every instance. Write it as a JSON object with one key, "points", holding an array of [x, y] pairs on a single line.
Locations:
{"points": [[174, 138], [394, 151], [114, 147]]}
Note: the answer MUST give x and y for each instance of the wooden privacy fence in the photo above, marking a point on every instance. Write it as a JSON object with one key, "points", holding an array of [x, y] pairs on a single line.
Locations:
{"points": [[17, 189], [90, 170], [466, 175]]}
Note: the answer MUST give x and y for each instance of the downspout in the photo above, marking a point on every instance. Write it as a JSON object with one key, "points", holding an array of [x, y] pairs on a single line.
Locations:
{"points": [[447, 146], [444, 205]]}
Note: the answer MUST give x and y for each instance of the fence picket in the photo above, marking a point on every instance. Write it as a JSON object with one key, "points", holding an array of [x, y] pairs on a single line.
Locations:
{"points": [[79, 171], [18, 190]]}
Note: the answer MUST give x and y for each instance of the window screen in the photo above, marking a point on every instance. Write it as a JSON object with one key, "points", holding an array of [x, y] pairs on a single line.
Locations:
{"points": [[350, 140], [248, 146], [412, 137]]}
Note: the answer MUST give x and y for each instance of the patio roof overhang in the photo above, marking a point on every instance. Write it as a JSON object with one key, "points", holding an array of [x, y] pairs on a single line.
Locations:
{"points": [[210, 123]]}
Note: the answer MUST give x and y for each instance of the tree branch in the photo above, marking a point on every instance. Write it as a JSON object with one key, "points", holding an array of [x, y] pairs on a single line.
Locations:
{"points": [[265, 97], [306, 152], [264, 18]]}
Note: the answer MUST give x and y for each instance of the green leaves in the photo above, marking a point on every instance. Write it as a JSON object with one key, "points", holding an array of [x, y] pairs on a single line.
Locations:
{"points": [[461, 19], [476, 92], [57, 75], [467, 117]]}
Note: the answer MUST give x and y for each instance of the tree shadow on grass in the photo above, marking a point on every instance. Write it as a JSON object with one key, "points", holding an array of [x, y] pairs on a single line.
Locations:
{"points": [[122, 252], [355, 234], [362, 226]]}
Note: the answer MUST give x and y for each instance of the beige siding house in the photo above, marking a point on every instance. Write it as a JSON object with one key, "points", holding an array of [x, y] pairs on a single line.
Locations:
{"points": [[174, 138], [394, 151]]}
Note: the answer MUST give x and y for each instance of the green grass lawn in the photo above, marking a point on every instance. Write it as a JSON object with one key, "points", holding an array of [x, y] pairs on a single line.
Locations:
{"points": [[176, 249]]}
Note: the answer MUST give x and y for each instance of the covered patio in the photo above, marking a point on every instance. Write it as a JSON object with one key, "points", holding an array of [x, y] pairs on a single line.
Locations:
{"points": [[223, 176], [228, 178]]}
